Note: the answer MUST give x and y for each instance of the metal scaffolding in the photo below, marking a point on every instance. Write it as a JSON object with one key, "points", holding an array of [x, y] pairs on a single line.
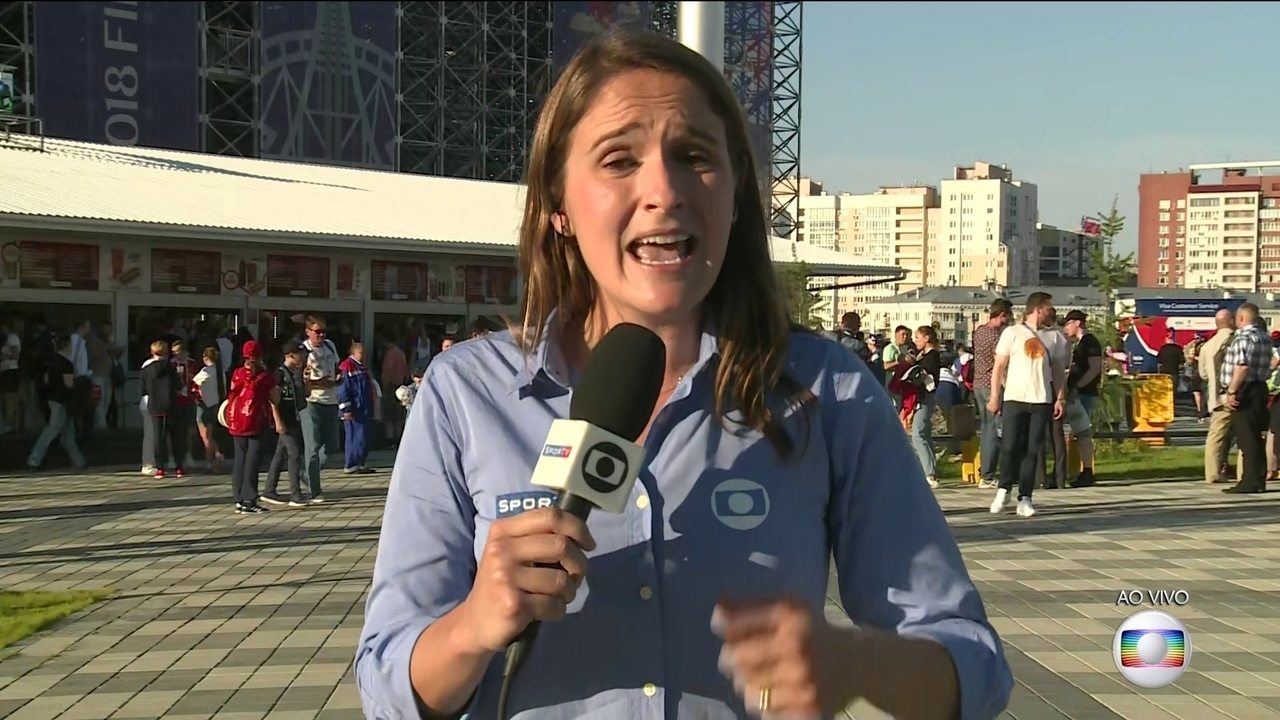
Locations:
{"points": [[230, 34], [17, 54], [472, 76], [786, 115]]}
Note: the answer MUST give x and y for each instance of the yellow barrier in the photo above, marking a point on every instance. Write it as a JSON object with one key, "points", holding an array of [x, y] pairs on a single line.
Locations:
{"points": [[1073, 458], [1152, 405], [970, 462]]}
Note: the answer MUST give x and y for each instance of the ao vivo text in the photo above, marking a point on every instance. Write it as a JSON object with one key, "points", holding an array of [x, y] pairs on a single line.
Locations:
{"points": [[1155, 598]]}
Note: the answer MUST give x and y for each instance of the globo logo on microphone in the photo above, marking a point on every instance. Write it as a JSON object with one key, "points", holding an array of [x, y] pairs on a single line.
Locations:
{"points": [[604, 467], [583, 460]]}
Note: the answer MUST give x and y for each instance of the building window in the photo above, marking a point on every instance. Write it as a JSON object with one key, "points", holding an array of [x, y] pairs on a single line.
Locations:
{"points": [[1164, 229], [1164, 217], [1162, 281], [1204, 202], [1164, 204]]}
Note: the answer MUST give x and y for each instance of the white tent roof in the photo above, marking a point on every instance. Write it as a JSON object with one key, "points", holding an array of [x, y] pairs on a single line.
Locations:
{"points": [[147, 191]]}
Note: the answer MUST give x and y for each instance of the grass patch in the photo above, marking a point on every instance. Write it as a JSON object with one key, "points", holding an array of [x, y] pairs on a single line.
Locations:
{"points": [[1126, 459], [24, 613]]}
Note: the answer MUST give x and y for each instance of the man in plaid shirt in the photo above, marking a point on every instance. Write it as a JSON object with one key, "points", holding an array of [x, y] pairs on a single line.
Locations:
{"points": [[1245, 368]]}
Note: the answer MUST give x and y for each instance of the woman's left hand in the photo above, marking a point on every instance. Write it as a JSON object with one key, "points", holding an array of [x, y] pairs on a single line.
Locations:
{"points": [[784, 661]]}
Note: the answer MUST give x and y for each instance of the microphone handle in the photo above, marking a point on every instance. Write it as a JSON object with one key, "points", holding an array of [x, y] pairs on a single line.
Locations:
{"points": [[518, 651]]}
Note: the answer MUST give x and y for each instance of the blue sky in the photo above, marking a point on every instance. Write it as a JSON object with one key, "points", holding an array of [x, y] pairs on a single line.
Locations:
{"points": [[1079, 98]]}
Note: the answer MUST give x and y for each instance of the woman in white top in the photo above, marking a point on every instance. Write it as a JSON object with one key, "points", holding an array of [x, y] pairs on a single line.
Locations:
{"points": [[211, 383]]}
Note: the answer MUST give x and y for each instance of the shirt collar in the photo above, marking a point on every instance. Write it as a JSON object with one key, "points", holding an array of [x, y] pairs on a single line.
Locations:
{"points": [[548, 365]]}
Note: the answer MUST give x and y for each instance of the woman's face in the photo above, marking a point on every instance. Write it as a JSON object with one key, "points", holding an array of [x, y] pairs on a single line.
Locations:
{"points": [[649, 197], [921, 340]]}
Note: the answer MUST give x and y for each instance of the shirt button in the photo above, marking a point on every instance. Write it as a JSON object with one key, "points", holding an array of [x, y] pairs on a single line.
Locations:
{"points": [[642, 502], [650, 689], [646, 592]]}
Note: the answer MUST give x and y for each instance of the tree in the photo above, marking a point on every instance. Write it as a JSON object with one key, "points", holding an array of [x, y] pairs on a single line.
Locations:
{"points": [[804, 305], [1108, 270]]}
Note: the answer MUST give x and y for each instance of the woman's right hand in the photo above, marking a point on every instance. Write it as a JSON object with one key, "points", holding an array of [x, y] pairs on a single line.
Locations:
{"points": [[511, 589]]}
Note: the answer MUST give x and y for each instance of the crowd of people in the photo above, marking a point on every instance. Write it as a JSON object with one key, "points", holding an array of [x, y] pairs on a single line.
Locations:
{"points": [[1024, 387], [1020, 387], [218, 395]]}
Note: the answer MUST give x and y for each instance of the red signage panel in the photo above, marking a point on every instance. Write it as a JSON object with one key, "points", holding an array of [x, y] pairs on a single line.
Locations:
{"points": [[492, 284], [297, 276], [62, 266], [186, 271], [399, 281]]}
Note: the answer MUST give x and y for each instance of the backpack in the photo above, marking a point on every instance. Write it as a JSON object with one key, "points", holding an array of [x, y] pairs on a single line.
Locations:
{"points": [[854, 345]]}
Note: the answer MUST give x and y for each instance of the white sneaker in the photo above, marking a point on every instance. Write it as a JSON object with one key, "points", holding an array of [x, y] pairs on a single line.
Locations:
{"points": [[933, 483], [1001, 502], [1025, 508], [148, 469]]}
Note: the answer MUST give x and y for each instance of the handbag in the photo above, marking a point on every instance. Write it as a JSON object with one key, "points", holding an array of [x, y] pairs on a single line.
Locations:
{"points": [[222, 413]]}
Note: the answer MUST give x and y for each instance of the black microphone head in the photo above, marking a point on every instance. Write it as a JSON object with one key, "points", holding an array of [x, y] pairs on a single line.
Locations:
{"points": [[621, 382]]}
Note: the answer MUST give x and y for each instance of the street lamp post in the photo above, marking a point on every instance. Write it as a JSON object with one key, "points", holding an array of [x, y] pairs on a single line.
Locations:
{"points": [[700, 26]]}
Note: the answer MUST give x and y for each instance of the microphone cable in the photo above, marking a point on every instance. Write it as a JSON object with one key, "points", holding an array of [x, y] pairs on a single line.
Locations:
{"points": [[517, 653]]}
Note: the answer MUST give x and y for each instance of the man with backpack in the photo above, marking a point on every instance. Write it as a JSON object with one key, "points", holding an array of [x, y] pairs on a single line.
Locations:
{"points": [[847, 335]]}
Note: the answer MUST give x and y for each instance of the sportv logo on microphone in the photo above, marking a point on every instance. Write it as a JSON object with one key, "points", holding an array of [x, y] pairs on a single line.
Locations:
{"points": [[604, 467], [557, 451]]}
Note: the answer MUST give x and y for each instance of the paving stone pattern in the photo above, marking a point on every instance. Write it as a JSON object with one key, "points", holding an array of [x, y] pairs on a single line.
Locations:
{"points": [[252, 617]]}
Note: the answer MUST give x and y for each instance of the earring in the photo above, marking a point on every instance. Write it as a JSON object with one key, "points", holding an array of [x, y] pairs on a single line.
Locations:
{"points": [[734, 219], [561, 228]]}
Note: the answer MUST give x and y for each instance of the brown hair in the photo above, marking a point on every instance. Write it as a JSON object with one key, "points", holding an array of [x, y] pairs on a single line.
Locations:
{"points": [[214, 358], [1037, 300], [1000, 306], [930, 335], [745, 301]]}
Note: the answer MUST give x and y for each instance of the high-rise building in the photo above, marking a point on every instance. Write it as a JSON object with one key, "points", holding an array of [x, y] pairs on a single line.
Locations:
{"points": [[816, 215], [888, 226], [987, 230], [1213, 226], [1064, 255]]}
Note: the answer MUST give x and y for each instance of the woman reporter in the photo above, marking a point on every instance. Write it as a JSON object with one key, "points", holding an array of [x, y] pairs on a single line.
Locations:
{"points": [[765, 454]]}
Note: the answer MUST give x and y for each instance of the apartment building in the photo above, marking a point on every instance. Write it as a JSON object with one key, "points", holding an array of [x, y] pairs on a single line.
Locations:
{"points": [[1064, 255], [987, 229], [885, 227], [1212, 226], [890, 227]]}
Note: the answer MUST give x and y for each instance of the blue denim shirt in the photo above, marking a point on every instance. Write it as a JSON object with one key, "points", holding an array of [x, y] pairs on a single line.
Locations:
{"points": [[715, 512]]}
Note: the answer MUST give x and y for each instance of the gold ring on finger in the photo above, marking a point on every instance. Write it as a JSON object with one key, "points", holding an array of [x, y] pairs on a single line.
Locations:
{"points": [[764, 699]]}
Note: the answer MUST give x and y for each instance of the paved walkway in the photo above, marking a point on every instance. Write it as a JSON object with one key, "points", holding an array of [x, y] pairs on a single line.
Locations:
{"points": [[244, 618]]}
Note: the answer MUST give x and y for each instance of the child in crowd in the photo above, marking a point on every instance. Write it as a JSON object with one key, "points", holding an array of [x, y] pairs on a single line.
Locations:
{"points": [[186, 399], [408, 393], [293, 399], [159, 384], [211, 389]]}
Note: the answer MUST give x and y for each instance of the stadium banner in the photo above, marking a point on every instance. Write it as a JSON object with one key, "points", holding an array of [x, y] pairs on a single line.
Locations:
{"points": [[575, 23], [748, 66], [328, 91], [123, 73]]}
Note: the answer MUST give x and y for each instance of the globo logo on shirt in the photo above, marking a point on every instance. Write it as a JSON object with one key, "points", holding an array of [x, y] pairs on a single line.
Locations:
{"points": [[740, 504]]}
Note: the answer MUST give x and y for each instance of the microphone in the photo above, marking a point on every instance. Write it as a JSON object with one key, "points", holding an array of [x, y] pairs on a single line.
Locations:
{"points": [[592, 459]]}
